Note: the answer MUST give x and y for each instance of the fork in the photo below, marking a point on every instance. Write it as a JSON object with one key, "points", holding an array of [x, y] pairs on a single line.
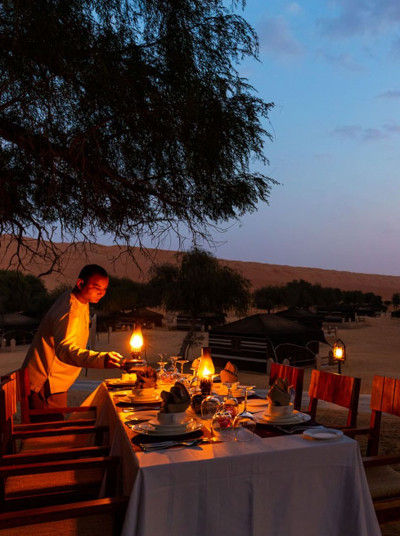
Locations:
{"points": [[168, 444]]}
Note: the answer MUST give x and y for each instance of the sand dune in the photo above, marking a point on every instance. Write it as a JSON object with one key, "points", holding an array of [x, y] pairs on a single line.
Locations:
{"points": [[260, 274]]}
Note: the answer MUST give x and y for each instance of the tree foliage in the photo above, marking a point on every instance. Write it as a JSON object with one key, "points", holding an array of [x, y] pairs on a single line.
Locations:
{"points": [[127, 118], [300, 293], [199, 285], [22, 293], [122, 294]]}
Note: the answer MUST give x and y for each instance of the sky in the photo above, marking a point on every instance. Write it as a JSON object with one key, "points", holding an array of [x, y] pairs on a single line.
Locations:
{"points": [[332, 69]]}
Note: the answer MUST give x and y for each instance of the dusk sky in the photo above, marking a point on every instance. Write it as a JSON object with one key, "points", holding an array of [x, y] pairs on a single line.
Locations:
{"points": [[332, 70]]}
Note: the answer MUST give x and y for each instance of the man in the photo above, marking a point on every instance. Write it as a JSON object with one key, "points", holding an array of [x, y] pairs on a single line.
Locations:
{"points": [[58, 350]]}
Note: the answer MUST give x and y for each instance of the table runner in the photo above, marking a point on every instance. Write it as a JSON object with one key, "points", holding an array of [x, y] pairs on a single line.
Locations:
{"points": [[281, 486]]}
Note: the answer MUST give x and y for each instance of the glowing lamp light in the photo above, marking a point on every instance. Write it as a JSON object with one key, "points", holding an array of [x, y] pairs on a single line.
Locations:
{"points": [[136, 340], [339, 353], [206, 367]]}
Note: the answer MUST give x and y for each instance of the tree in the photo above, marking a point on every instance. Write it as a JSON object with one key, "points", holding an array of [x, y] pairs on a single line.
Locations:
{"points": [[269, 297], [396, 300], [22, 293], [126, 118], [122, 293], [199, 285]]}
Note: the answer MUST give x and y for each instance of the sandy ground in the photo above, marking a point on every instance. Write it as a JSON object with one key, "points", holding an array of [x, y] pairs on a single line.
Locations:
{"points": [[373, 347]]}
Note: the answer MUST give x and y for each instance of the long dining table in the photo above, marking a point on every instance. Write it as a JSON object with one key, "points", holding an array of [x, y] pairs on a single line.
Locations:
{"points": [[279, 485]]}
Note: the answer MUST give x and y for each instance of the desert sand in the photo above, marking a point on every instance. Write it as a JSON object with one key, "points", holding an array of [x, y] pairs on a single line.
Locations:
{"points": [[259, 273]]}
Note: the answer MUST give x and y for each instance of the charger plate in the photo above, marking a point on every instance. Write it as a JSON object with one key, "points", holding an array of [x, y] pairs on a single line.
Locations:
{"points": [[296, 418], [131, 399], [149, 430]]}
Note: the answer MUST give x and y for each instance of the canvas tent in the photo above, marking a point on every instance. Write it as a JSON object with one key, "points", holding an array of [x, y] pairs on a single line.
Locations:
{"points": [[251, 341]]}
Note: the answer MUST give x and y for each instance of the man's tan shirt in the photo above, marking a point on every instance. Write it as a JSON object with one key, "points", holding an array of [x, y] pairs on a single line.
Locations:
{"points": [[58, 350]]}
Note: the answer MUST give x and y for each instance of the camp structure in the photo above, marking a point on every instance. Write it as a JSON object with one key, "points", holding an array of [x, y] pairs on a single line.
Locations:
{"points": [[251, 341], [139, 315]]}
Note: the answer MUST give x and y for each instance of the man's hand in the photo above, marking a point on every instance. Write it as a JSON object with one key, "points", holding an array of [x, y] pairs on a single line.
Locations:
{"points": [[113, 360]]}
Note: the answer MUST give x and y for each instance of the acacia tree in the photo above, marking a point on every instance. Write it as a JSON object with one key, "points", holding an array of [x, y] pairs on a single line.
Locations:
{"points": [[127, 118], [199, 285]]}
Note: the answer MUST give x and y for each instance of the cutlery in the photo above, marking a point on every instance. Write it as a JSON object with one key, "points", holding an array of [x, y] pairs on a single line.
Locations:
{"points": [[150, 447]]}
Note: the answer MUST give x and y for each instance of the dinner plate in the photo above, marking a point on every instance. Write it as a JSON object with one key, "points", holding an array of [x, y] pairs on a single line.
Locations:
{"points": [[257, 402], [296, 418], [131, 399], [149, 430], [168, 427], [322, 434]]}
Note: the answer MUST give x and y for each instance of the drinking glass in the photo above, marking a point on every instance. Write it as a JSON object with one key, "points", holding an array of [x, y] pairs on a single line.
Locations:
{"points": [[182, 363], [210, 406], [230, 403], [222, 425], [245, 423], [174, 359]]}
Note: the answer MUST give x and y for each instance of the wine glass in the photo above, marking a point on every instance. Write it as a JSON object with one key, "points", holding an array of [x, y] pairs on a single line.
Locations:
{"points": [[222, 425], [174, 359], [210, 406], [182, 362], [245, 423], [230, 403]]}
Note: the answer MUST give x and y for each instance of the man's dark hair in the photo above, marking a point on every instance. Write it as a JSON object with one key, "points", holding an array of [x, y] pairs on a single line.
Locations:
{"points": [[91, 269]]}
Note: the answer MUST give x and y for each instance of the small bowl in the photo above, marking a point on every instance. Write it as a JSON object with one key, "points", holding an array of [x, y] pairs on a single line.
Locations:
{"points": [[279, 411], [171, 418]]}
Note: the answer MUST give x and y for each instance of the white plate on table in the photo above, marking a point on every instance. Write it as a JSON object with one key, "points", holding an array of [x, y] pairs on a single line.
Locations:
{"points": [[256, 403], [296, 418], [148, 429], [132, 399], [322, 434]]}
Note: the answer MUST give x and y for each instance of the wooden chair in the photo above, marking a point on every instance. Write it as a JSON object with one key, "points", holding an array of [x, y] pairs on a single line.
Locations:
{"points": [[79, 518], [341, 390], [295, 377], [29, 415], [11, 432], [57, 474], [383, 480]]}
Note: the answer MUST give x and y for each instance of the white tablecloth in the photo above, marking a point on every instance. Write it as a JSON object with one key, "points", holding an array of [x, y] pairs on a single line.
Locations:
{"points": [[282, 486]]}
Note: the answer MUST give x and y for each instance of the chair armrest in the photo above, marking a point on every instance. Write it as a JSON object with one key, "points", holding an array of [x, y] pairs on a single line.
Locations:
{"points": [[63, 511], [39, 456], [375, 461], [351, 432], [57, 466], [50, 432], [53, 424]]}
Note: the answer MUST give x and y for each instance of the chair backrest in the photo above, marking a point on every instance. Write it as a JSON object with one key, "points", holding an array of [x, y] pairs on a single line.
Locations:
{"points": [[295, 377], [8, 407], [341, 390], [22, 393], [385, 398]]}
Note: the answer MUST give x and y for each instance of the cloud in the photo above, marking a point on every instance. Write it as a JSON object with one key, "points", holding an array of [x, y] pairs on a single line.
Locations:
{"points": [[276, 36], [347, 131], [362, 17], [344, 61], [390, 94], [359, 133]]}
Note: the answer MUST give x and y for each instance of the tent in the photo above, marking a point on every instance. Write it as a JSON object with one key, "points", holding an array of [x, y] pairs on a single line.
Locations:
{"points": [[251, 341]]}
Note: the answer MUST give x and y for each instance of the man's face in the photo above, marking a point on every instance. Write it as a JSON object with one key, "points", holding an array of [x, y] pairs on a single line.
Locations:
{"points": [[94, 289]]}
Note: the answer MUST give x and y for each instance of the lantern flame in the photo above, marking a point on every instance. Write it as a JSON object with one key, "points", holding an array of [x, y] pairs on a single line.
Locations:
{"points": [[206, 366], [136, 340]]}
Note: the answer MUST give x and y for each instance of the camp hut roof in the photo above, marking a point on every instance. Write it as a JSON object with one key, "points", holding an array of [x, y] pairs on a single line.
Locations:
{"points": [[277, 328], [17, 320], [302, 315]]}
